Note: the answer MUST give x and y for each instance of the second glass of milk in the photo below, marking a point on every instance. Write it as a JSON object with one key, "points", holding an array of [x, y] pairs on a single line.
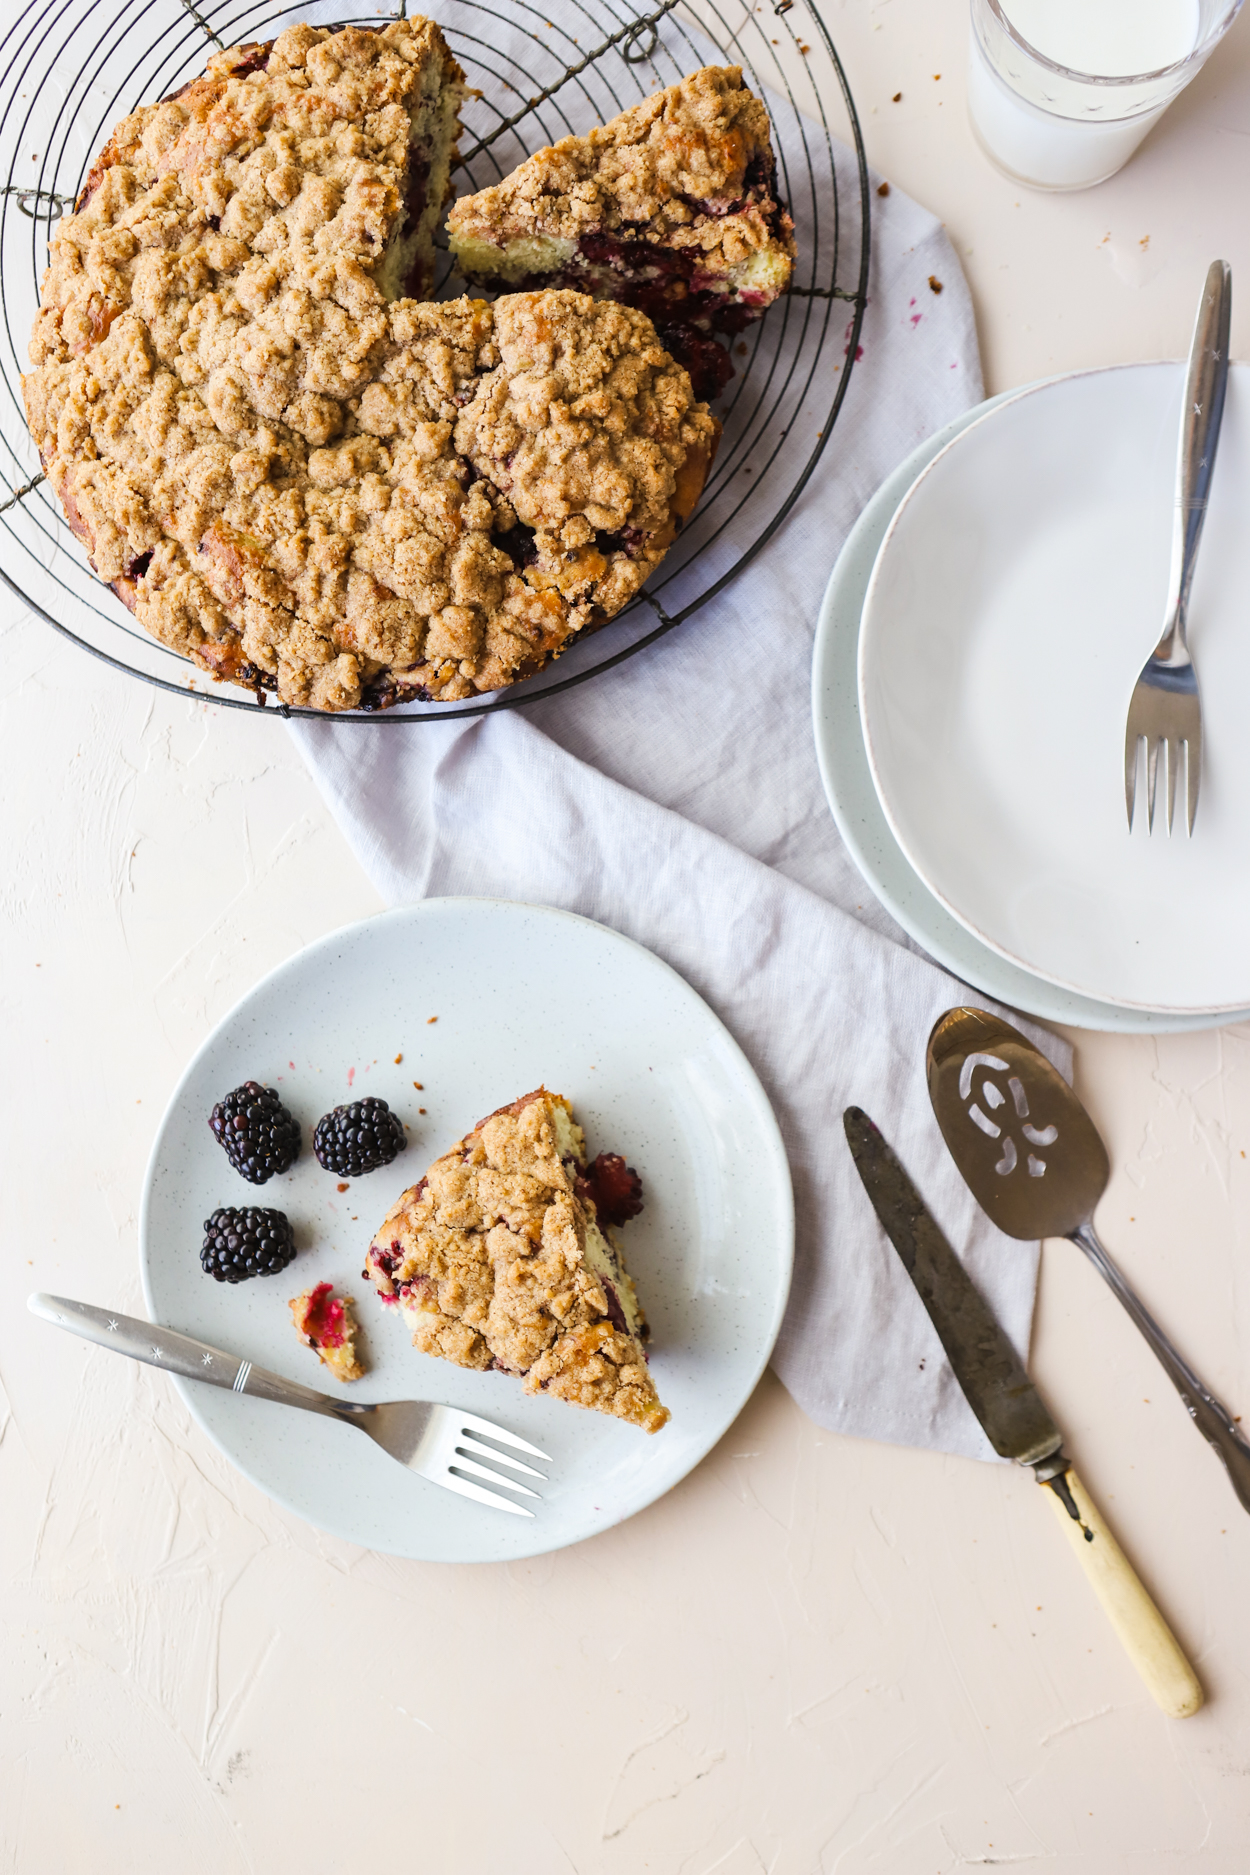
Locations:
{"points": [[1061, 92]]}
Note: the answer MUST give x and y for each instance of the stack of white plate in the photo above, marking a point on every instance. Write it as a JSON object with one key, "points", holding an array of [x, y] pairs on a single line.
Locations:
{"points": [[977, 646]]}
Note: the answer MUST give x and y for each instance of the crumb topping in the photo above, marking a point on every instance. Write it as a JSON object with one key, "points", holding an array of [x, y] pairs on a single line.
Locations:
{"points": [[294, 478], [487, 1255], [674, 166]]}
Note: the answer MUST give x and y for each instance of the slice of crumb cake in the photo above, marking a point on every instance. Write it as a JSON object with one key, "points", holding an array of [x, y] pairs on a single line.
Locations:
{"points": [[503, 1257], [325, 1323], [671, 208]]}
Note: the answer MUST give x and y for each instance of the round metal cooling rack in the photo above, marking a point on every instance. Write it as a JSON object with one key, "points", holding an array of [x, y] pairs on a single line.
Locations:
{"points": [[72, 68]]}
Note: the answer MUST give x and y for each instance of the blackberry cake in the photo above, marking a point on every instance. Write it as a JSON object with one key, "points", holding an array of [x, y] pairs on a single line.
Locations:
{"points": [[325, 1323], [671, 208], [503, 1257], [299, 480]]}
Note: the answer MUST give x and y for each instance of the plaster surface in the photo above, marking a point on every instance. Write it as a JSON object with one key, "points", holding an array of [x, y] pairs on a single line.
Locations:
{"points": [[816, 1656]]}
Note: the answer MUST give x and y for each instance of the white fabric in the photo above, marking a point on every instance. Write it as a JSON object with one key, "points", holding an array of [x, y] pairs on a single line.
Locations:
{"points": [[677, 799]]}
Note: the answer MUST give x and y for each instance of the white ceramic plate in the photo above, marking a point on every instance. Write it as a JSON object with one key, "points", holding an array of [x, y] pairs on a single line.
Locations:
{"points": [[861, 821], [523, 995], [1015, 596]]}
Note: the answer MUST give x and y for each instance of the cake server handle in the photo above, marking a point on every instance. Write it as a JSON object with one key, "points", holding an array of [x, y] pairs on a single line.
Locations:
{"points": [[183, 1355]]}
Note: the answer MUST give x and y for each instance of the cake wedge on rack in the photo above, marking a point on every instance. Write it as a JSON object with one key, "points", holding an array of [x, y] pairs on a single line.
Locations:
{"points": [[671, 208]]}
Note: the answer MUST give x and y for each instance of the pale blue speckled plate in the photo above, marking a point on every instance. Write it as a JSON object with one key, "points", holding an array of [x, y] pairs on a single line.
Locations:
{"points": [[523, 994]]}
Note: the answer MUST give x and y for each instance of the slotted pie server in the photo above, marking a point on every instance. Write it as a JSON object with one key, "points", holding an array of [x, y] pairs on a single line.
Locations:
{"points": [[439, 1442], [1033, 1160]]}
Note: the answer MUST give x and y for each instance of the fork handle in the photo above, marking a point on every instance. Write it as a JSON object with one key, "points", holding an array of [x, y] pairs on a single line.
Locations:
{"points": [[1211, 1416], [1206, 382], [182, 1355]]}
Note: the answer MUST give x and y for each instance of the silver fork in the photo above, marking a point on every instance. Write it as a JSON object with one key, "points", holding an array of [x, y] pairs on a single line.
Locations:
{"points": [[1164, 711], [441, 1443]]}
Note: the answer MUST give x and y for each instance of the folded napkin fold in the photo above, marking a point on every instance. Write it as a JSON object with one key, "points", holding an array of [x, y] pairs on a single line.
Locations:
{"points": [[676, 798]]}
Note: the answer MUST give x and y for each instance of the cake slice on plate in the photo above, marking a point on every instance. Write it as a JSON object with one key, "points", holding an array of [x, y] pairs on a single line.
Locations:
{"points": [[671, 207], [503, 1257]]}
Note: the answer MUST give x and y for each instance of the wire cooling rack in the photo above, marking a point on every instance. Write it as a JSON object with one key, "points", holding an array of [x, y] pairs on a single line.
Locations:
{"points": [[71, 68]]}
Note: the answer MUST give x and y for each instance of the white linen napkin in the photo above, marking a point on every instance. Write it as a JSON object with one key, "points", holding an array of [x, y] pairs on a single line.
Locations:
{"points": [[677, 799]]}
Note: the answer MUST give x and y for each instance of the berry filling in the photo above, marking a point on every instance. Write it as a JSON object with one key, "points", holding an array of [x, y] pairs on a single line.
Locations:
{"points": [[416, 195], [326, 1324], [616, 1314], [324, 1318], [685, 302], [663, 283], [614, 1189], [257, 61]]}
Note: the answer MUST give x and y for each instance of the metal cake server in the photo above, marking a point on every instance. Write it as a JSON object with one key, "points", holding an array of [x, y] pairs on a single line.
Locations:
{"points": [[1164, 710], [991, 1089], [1013, 1414], [440, 1442]]}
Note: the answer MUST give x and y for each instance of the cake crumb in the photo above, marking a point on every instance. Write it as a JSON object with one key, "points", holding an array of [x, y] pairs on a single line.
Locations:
{"points": [[329, 1328]]}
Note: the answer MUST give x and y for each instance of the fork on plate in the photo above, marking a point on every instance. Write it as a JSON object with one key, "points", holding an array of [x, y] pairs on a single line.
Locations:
{"points": [[446, 1446], [1164, 712]]}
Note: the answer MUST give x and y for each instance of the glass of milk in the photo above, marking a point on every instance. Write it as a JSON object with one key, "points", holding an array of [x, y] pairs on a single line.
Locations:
{"points": [[1061, 92]]}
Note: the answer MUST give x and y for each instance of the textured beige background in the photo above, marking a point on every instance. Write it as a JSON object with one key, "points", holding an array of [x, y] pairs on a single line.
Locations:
{"points": [[815, 1655]]}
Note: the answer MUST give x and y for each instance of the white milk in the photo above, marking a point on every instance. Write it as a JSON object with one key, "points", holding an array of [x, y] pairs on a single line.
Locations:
{"points": [[1058, 133], [1108, 38]]}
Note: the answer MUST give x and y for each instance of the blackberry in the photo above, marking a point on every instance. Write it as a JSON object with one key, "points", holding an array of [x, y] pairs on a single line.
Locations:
{"points": [[259, 1135], [247, 1242], [359, 1138]]}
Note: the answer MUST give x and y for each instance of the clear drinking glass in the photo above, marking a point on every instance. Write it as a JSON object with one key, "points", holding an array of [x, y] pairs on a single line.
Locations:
{"points": [[1053, 126]]}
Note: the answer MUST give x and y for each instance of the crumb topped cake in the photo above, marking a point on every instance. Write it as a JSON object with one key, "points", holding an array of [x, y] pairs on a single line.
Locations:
{"points": [[325, 1323], [670, 207], [503, 1257], [299, 480]]}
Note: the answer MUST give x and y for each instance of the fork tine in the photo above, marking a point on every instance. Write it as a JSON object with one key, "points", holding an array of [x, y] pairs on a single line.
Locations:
{"points": [[479, 1496], [489, 1430], [1152, 775], [466, 1444], [1170, 751], [1193, 774], [463, 1463], [1132, 754]]}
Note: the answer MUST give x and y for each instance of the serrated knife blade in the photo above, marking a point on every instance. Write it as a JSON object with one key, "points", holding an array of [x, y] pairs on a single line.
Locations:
{"points": [[987, 1367]]}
